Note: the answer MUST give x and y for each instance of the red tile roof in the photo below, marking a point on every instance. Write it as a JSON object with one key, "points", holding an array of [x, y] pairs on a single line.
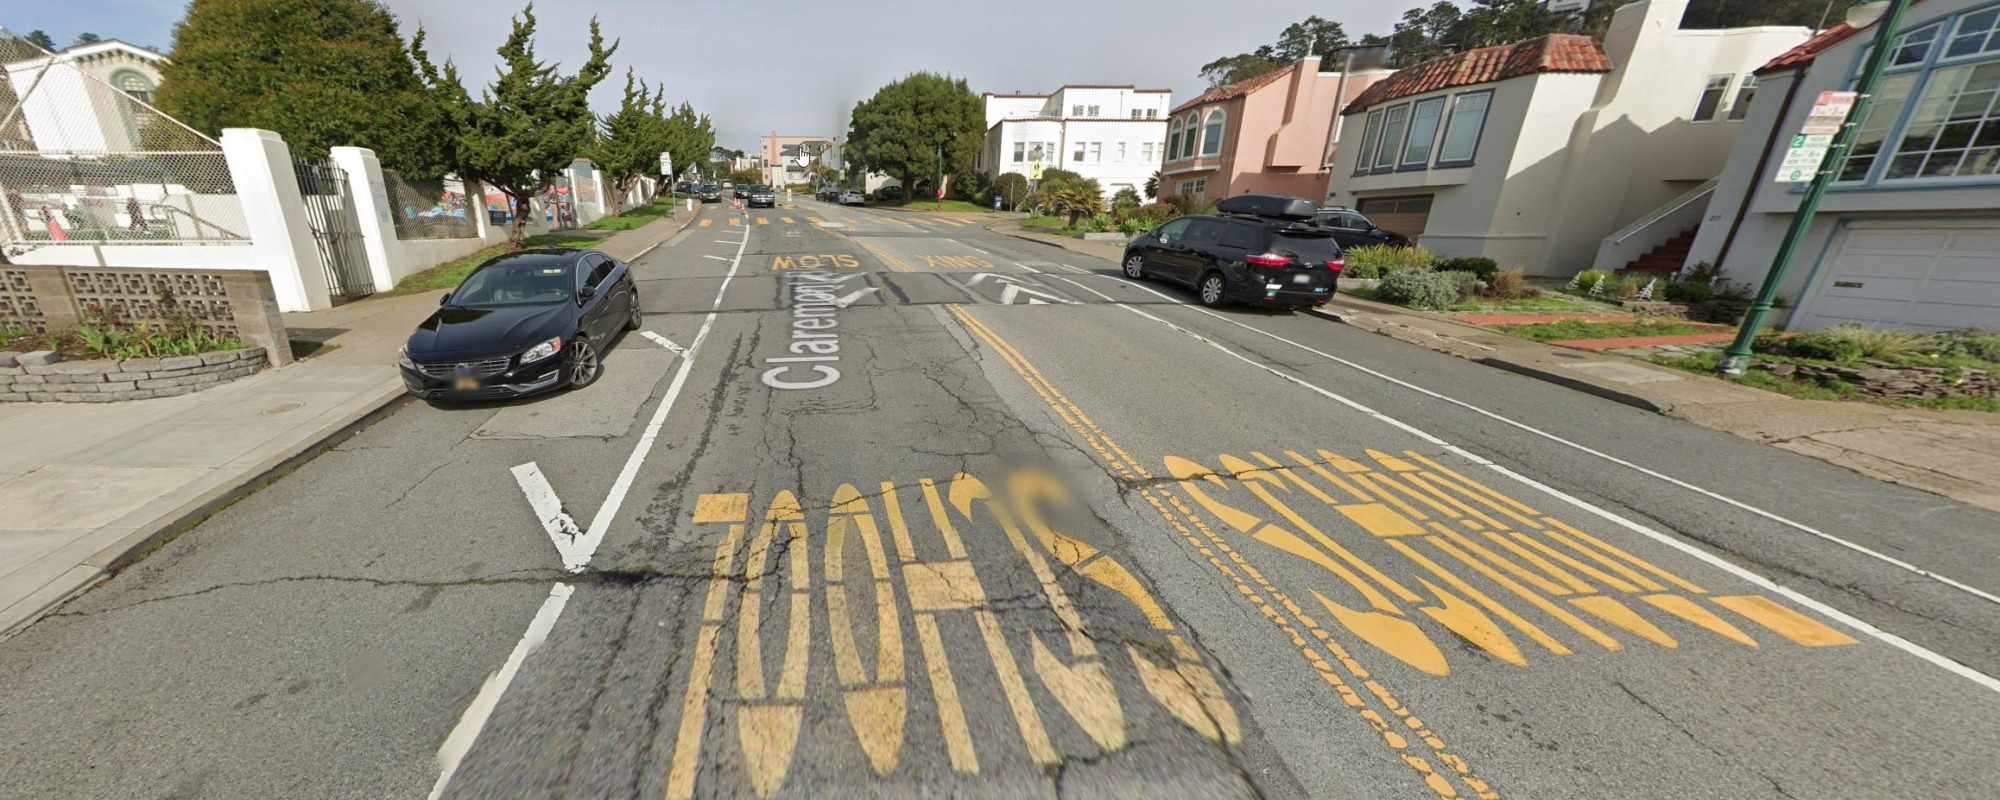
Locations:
{"points": [[1804, 54], [1237, 89], [1556, 52]]}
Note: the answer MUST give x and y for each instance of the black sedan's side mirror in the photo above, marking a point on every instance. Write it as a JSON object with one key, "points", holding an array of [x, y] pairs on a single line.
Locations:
{"points": [[586, 293], [445, 300]]}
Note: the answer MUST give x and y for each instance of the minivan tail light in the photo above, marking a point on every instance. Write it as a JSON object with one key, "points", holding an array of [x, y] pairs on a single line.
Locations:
{"points": [[1337, 265], [1268, 260]]}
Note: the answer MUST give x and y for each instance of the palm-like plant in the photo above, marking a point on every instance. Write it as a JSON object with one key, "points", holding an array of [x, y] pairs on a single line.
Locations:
{"points": [[1076, 200], [1153, 186]]}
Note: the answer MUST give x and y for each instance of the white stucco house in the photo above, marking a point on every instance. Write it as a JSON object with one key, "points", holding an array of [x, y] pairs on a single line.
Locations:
{"points": [[65, 111], [1558, 153], [1115, 134], [1909, 235]]}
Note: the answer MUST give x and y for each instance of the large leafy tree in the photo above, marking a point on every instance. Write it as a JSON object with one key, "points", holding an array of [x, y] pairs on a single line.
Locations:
{"points": [[1313, 36], [529, 124], [690, 138], [321, 73], [631, 139], [922, 126], [42, 39]]}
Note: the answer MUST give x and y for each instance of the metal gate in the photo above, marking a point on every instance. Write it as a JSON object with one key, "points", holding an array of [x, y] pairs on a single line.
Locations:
{"points": [[336, 230]]}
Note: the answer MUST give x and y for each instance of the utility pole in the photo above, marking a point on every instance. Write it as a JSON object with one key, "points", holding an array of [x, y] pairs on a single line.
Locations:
{"points": [[1736, 360]]}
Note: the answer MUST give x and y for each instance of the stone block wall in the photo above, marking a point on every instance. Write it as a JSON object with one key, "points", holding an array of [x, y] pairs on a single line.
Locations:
{"points": [[235, 303], [104, 381]]}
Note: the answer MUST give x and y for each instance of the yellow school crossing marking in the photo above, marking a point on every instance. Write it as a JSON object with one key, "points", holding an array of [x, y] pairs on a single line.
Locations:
{"points": [[788, 220], [813, 220], [956, 262], [943, 587], [735, 222], [763, 220], [705, 223]]}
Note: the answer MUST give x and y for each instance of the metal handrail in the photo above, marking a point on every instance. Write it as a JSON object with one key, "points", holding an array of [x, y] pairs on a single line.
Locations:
{"points": [[1665, 211]]}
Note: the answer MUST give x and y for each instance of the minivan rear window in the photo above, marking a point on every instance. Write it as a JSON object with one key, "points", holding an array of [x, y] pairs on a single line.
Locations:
{"points": [[1305, 247], [1242, 236]]}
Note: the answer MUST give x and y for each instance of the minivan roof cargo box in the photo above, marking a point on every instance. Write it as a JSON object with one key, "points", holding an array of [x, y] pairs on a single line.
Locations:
{"points": [[1272, 206]]}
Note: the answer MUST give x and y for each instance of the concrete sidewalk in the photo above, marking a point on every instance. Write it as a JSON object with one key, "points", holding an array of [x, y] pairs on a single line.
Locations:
{"points": [[86, 489], [1951, 453]]}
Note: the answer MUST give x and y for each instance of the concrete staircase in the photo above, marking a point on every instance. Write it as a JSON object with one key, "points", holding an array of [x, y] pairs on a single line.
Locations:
{"points": [[1664, 260]]}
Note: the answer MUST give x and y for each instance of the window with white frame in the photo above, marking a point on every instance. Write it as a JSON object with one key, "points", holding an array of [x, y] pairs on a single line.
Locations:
{"points": [[1135, 113], [1193, 135], [1096, 152], [1146, 152], [134, 85], [1369, 137], [1020, 152], [1463, 127], [1077, 151], [1197, 189], [1121, 151], [1745, 91], [1424, 122], [1173, 140], [1935, 116], [1093, 112], [1394, 122], [1712, 93], [1039, 151], [1152, 113], [1076, 111], [1211, 133]]}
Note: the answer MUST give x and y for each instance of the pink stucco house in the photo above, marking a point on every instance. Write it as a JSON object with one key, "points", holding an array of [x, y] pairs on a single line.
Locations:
{"points": [[1274, 133]]}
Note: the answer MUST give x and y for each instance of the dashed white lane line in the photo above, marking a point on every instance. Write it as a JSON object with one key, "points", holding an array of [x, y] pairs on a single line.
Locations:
{"points": [[459, 741], [1987, 681], [664, 342]]}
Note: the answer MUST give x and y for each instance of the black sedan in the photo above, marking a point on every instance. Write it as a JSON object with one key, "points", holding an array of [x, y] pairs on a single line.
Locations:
{"points": [[522, 324], [709, 193], [763, 197]]}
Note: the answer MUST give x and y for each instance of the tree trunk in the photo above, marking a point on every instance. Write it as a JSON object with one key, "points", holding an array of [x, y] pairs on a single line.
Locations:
{"points": [[517, 232], [909, 189]]}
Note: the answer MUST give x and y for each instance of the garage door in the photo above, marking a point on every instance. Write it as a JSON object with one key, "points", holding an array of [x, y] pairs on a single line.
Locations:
{"points": [[1924, 277], [1404, 215]]}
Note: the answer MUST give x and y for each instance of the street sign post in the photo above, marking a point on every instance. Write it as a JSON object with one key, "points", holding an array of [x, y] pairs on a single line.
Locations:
{"points": [[1808, 151]]}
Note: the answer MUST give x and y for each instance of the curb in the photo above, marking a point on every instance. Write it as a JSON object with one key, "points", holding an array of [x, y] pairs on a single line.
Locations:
{"points": [[135, 547]]}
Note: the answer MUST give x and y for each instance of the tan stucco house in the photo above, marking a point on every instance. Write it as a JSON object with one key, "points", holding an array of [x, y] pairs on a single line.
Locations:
{"points": [[1909, 235], [1268, 134], [1558, 153]]}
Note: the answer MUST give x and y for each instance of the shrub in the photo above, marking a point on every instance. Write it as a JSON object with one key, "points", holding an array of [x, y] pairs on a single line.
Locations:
{"points": [[1125, 198], [1702, 272], [1819, 345], [1625, 287], [1375, 261], [1417, 288], [1886, 344], [1133, 226], [1012, 188], [1510, 285], [1689, 291], [1582, 283], [1982, 345], [1484, 268], [1153, 214]]}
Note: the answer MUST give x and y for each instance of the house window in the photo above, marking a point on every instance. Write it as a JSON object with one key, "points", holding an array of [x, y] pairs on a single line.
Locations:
{"points": [[1462, 128], [1423, 132], [1393, 125], [134, 85], [1093, 112], [1211, 133], [1152, 113], [1193, 135], [1135, 113], [1076, 111], [1955, 128], [1197, 189], [1744, 92], [1976, 33], [1038, 151], [1712, 93], [1096, 152], [1173, 140], [1121, 151], [1020, 152], [1146, 152], [1369, 137], [1915, 47]]}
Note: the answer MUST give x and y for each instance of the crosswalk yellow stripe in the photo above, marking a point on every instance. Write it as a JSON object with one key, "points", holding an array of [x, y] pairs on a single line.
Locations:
{"points": [[735, 222], [763, 220], [788, 220], [813, 220]]}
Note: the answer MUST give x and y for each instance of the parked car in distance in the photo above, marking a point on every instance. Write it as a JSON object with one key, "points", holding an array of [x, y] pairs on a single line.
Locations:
{"points": [[890, 192], [710, 193], [1260, 249], [1353, 230], [828, 193], [763, 196], [852, 197], [521, 324], [684, 187]]}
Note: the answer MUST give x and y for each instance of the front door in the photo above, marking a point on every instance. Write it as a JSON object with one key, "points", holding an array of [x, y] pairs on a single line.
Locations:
{"points": [[1160, 256], [600, 312]]}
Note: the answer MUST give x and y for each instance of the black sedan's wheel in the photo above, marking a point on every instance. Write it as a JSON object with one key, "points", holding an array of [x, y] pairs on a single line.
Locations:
{"points": [[583, 364], [633, 322], [1135, 267], [1212, 290]]}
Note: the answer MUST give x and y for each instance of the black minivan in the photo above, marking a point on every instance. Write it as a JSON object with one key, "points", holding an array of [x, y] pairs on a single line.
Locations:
{"points": [[1260, 249]]}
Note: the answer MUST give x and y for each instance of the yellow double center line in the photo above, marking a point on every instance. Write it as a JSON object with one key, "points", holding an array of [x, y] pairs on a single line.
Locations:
{"points": [[1375, 707]]}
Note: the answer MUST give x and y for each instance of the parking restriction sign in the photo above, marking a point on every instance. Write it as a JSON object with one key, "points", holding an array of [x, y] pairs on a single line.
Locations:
{"points": [[1809, 147]]}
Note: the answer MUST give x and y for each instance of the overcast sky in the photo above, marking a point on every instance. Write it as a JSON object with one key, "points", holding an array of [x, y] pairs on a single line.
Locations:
{"points": [[797, 67]]}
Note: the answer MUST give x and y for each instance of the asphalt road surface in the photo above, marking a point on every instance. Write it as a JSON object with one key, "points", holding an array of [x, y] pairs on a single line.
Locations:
{"points": [[882, 504]]}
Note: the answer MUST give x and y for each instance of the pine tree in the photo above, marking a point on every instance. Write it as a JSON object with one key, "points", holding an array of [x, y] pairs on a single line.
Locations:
{"points": [[631, 139], [320, 73], [529, 125]]}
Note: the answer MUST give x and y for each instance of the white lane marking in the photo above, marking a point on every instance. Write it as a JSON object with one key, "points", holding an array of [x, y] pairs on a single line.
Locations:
{"points": [[849, 298], [974, 248], [1026, 267], [1647, 471], [665, 342], [1898, 642], [718, 258], [549, 509], [728, 241], [459, 741]]}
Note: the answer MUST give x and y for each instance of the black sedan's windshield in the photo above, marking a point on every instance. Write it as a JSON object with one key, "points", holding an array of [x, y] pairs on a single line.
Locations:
{"points": [[538, 282]]}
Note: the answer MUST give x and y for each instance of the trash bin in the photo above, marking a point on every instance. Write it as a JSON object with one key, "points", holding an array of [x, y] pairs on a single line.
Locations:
{"points": [[996, 202]]}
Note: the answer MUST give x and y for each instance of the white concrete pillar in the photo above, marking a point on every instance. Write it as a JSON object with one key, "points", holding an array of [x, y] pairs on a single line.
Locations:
{"points": [[261, 166], [372, 209]]}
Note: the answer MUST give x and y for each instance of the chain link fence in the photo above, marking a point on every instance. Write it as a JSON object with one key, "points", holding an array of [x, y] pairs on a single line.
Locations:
{"points": [[86, 159], [429, 209]]}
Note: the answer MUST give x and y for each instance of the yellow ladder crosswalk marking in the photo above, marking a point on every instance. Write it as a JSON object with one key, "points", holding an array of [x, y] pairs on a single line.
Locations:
{"points": [[788, 220], [763, 220], [735, 222], [705, 223]]}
